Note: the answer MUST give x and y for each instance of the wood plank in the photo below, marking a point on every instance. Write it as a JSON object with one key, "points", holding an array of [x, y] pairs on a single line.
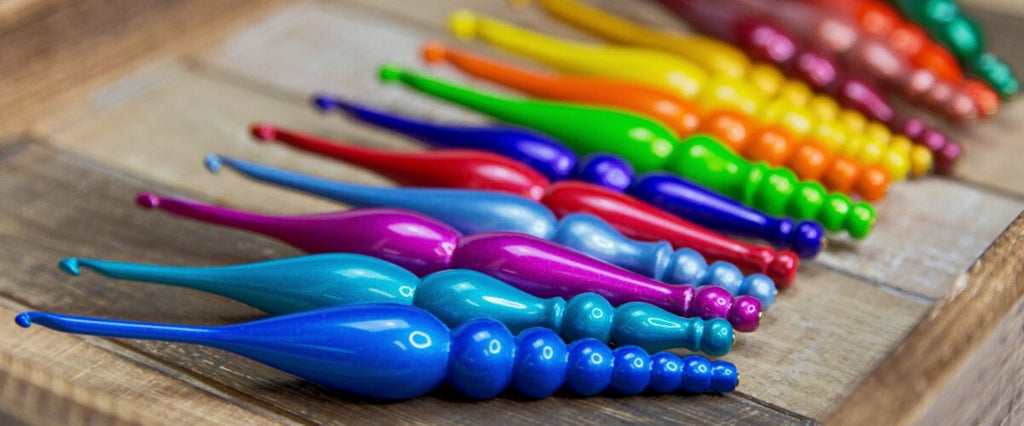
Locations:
{"points": [[904, 251], [43, 219], [216, 111], [54, 378], [58, 50], [993, 146], [934, 352], [989, 386], [819, 339]]}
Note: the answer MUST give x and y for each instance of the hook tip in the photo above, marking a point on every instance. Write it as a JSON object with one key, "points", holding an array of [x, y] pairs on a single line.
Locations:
{"points": [[213, 162], [147, 200], [433, 51], [263, 131], [325, 103], [24, 319], [390, 72], [71, 266]]}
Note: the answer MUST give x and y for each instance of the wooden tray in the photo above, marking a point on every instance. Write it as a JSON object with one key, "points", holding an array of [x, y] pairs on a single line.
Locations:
{"points": [[103, 99]]}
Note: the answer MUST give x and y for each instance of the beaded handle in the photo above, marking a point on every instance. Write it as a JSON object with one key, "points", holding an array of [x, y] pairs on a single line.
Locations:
{"points": [[948, 24], [811, 161], [397, 352], [455, 297], [441, 248], [489, 212]]}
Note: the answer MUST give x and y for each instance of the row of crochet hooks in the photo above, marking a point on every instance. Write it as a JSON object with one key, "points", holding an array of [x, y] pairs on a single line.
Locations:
{"points": [[548, 232]]}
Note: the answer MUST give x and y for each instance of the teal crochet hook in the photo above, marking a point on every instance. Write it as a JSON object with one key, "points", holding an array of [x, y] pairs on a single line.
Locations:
{"points": [[455, 296]]}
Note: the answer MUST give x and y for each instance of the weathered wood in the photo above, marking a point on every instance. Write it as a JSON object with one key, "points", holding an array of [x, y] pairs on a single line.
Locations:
{"points": [[56, 51], [838, 324], [989, 386], [933, 353], [822, 303], [904, 250], [43, 219], [993, 147]]}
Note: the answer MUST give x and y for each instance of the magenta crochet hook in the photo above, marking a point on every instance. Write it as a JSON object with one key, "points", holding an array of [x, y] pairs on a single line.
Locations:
{"points": [[422, 245]]}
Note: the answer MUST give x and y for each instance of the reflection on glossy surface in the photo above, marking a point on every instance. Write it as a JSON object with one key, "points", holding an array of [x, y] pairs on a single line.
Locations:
{"points": [[510, 213], [541, 152], [470, 169], [453, 296], [415, 242], [645, 222], [444, 256], [478, 211], [700, 158], [548, 270], [392, 351]]}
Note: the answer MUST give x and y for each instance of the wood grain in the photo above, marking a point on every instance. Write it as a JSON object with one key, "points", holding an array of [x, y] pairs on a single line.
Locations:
{"points": [[177, 114], [989, 386], [903, 251], [43, 219], [831, 342], [55, 51], [936, 349]]}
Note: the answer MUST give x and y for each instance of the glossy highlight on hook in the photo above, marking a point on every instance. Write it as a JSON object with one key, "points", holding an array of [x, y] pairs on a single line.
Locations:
{"points": [[489, 212], [455, 297], [396, 352]]}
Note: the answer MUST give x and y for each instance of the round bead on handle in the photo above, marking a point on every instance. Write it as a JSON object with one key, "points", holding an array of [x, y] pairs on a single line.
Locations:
{"points": [[870, 56], [700, 158], [613, 172], [947, 23], [574, 232], [395, 352], [772, 144], [693, 203], [776, 191], [548, 270], [743, 312], [784, 106], [471, 169], [541, 152], [454, 296], [764, 41], [878, 19], [645, 222]]}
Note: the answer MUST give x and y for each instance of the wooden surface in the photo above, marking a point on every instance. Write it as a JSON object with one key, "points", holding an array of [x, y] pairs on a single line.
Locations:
{"points": [[899, 327]]}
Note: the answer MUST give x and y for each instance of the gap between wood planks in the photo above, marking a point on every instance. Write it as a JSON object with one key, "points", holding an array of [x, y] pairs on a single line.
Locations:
{"points": [[933, 353]]}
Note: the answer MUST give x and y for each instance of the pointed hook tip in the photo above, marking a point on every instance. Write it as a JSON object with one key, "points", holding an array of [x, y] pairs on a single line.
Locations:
{"points": [[24, 319], [433, 52], [71, 266], [463, 24], [326, 103], [263, 131], [213, 162], [390, 72], [147, 200]]}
